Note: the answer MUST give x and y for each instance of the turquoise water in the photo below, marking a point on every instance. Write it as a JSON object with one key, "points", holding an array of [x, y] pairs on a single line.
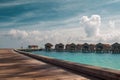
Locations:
{"points": [[97, 59]]}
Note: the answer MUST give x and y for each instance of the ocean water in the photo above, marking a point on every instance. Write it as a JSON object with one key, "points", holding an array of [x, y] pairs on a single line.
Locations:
{"points": [[106, 60]]}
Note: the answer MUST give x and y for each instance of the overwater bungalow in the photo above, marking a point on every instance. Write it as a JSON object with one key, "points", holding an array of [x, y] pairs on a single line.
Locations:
{"points": [[67, 47], [79, 47], [107, 48], [32, 46], [115, 48], [85, 48], [92, 48], [48, 46], [59, 47], [99, 48], [71, 47]]}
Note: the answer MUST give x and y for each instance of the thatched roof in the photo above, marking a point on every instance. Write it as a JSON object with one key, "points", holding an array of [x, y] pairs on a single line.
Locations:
{"points": [[115, 44], [99, 44], [48, 44]]}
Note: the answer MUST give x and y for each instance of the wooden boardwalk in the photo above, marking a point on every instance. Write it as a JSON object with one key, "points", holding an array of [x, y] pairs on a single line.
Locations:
{"points": [[15, 66]]}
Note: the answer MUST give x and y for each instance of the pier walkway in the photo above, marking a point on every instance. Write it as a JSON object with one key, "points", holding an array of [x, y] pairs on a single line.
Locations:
{"points": [[15, 66]]}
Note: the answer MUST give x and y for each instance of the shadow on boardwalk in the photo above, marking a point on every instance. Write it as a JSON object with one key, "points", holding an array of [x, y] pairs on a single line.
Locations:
{"points": [[14, 66]]}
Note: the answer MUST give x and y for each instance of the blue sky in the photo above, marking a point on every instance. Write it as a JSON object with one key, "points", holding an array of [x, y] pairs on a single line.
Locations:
{"points": [[41, 21]]}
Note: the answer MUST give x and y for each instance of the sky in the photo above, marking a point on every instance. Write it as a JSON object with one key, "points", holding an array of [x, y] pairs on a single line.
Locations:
{"points": [[36, 22]]}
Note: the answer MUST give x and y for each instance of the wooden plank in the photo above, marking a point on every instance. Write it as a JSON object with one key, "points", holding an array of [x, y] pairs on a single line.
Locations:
{"points": [[15, 66]]}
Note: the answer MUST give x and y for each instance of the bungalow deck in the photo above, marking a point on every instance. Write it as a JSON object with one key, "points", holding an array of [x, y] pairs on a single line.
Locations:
{"points": [[15, 66]]}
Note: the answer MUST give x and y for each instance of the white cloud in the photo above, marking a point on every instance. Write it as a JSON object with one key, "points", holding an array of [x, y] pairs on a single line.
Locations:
{"points": [[91, 25], [112, 24], [18, 34], [98, 31], [53, 36], [110, 37]]}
